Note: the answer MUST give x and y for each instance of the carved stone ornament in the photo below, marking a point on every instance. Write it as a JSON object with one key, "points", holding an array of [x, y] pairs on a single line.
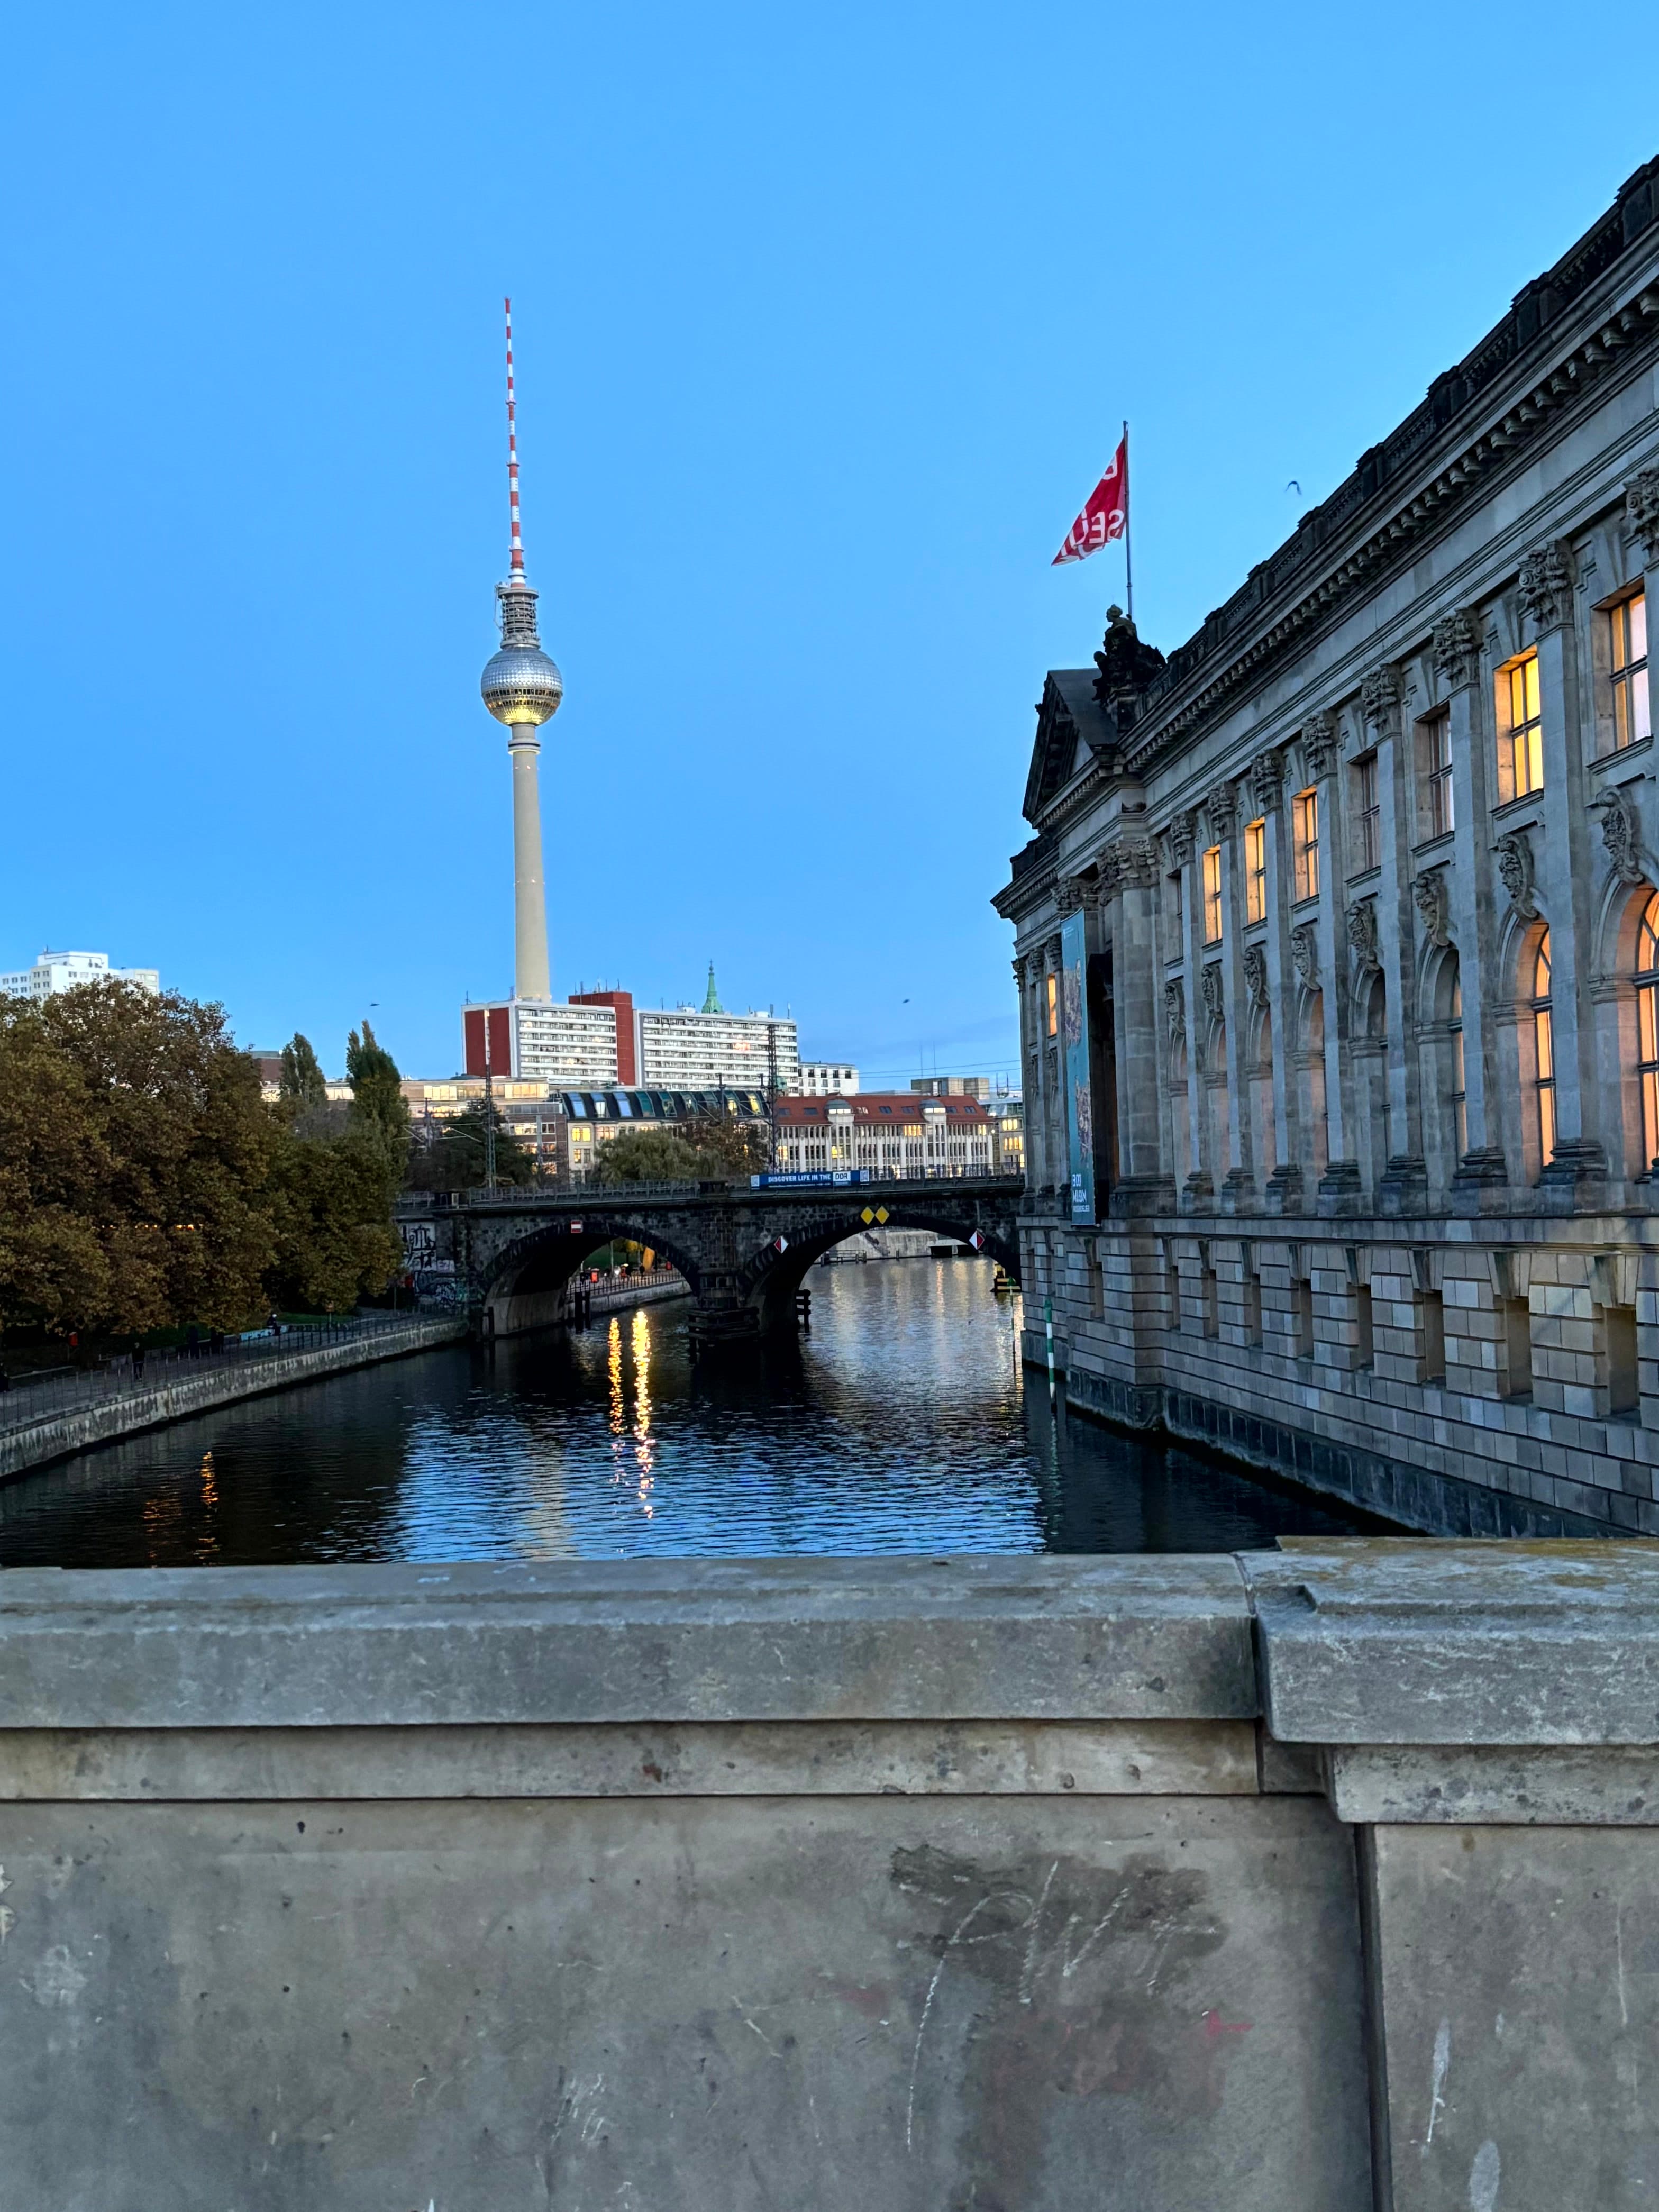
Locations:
{"points": [[1433, 903], [1379, 701], [1183, 835], [1546, 585], [1215, 996], [1641, 510], [1621, 833], [1319, 745], [1304, 952], [1266, 780], [1456, 650], [1019, 971], [1174, 1013], [1515, 872], [1256, 976], [1131, 864], [1362, 934], [1075, 893], [1222, 807]]}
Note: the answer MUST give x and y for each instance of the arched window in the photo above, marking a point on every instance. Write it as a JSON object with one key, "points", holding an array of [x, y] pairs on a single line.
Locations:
{"points": [[1459, 1105], [1647, 1028], [1544, 1042]]}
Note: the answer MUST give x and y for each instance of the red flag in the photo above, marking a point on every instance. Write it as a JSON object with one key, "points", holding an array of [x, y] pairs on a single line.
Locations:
{"points": [[1106, 517]]}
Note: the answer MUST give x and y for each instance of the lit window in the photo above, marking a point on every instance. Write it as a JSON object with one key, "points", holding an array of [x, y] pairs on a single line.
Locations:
{"points": [[1437, 769], [1370, 813], [1053, 1005], [1213, 896], [1520, 731], [1459, 1103], [1647, 1029], [1627, 624], [1304, 819], [1546, 1044], [1255, 870]]}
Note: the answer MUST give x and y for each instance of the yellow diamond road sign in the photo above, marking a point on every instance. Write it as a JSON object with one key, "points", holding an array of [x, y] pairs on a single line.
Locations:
{"points": [[866, 1217], [881, 1213]]}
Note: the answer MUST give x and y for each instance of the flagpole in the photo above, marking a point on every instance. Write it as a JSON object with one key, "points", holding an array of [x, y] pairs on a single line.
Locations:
{"points": [[1128, 558]]}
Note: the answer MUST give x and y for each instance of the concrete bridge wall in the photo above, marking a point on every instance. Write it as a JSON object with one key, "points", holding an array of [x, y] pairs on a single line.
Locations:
{"points": [[1323, 1879]]}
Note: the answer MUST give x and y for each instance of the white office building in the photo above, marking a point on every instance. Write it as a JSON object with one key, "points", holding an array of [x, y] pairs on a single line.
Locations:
{"points": [[541, 1041], [694, 1049], [828, 1078], [65, 972]]}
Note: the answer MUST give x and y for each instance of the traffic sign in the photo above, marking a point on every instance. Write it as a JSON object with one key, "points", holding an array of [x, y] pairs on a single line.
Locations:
{"points": [[780, 1244], [881, 1213], [977, 1240]]}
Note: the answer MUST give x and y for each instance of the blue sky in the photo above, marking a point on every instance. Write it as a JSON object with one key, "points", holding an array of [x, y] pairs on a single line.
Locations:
{"points": [[825, 320]]}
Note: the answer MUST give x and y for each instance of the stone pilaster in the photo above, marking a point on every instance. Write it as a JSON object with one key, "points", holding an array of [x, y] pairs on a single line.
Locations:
{"points": [[1450, 909]]}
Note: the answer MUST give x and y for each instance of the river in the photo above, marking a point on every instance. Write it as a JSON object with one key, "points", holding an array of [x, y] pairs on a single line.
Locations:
{"points": [[901, 1421]]}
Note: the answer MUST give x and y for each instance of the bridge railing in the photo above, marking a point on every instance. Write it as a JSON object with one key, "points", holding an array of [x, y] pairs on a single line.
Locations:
{"points": [[599, 1196]]}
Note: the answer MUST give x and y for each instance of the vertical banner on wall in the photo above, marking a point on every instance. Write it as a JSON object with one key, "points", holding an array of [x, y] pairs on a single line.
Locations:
{"points": [[1075, 1060]]}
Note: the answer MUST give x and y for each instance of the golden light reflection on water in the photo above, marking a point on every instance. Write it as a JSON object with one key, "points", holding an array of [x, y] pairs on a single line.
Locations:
{"points": [[614, 1370], [644, 1451]]}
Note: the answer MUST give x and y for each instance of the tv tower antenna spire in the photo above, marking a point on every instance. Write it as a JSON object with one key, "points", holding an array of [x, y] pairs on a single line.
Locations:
{"points": [[516, 563]]}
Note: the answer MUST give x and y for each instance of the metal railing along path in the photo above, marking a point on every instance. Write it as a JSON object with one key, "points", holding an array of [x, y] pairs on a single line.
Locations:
{"points": [[28, 1400]]}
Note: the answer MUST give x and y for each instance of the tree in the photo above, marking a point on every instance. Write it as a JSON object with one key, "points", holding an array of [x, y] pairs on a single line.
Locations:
{"points": [[303, 1084], [455, 1158], [332, 1202], [649, 1155], [378, 1107], [728, 1147], [134, 1154]]}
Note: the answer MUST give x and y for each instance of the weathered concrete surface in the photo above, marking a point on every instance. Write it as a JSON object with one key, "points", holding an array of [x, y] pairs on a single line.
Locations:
{"points": [[628, 1640], [1383, 1641], [715, 2007], [1520, 1986], [59, 1435], [737, 1758], [1600, 1785]]}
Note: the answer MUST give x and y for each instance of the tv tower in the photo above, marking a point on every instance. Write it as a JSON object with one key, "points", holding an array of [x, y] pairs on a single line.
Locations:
{"points": [[522, 688]]}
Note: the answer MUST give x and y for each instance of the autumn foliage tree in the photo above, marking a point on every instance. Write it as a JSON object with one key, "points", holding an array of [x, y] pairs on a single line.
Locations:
{"points": [[145, 1183]]}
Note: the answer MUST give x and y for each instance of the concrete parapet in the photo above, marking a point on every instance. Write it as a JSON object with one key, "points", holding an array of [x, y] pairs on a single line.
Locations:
{"points": [[1320, 1878]]}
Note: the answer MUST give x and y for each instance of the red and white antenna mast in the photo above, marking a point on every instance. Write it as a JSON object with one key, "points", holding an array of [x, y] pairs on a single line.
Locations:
{"points": [[516, 562]]}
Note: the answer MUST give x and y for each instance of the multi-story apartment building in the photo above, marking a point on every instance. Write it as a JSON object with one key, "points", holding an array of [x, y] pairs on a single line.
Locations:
{"points": [[828, 1078], [1338, 959], [886, 1134], [539, 1040], [695, 1048], [53, 972]]}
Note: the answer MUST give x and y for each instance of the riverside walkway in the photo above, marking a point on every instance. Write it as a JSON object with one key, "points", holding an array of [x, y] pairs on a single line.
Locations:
{"points": [[61, 1414]]}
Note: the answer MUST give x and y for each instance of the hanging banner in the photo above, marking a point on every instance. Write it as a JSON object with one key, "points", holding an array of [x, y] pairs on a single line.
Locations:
{"points": [[1074, 1062]]}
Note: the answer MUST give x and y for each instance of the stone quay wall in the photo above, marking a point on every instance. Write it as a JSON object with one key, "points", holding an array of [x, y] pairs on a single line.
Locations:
{"points": [[59, 1434], [1323, 1878]]}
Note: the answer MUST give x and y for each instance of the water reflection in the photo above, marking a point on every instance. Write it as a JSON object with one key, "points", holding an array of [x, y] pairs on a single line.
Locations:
{"points": [[901, 1421]]}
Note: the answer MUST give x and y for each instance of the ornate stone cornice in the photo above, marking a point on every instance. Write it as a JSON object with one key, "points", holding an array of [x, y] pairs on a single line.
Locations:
{"points": [[1455, 650], [1515, 872], [1379, 701], [1304, 953], [1621, 833], [1319, 745], [1362, 935], [1547, 584], [1256, 976], [1641, 510], [1266, 780], [1433, 902], [1480, 426]]}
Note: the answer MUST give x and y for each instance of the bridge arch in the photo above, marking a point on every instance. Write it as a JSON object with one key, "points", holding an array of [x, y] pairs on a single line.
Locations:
{"points": [[772, 1279], [524, 1285]]}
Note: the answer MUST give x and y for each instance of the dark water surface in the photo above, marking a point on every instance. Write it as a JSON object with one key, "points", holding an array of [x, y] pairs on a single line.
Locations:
{"points": [[902, 1422]]}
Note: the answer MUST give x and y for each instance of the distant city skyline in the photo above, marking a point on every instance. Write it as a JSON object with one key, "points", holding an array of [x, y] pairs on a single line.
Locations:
{"points": [[824, 328]]}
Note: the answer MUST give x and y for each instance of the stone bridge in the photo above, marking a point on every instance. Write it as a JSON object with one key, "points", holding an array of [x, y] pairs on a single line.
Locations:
{"points": [[743, 1251]]}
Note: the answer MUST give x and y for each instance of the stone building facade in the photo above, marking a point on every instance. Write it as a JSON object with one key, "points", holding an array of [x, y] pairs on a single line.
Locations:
{"points": [[1338, 960]]}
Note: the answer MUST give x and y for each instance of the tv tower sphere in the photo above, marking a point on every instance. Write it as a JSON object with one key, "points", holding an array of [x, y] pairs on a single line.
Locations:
{"points": [[521, 683]]}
